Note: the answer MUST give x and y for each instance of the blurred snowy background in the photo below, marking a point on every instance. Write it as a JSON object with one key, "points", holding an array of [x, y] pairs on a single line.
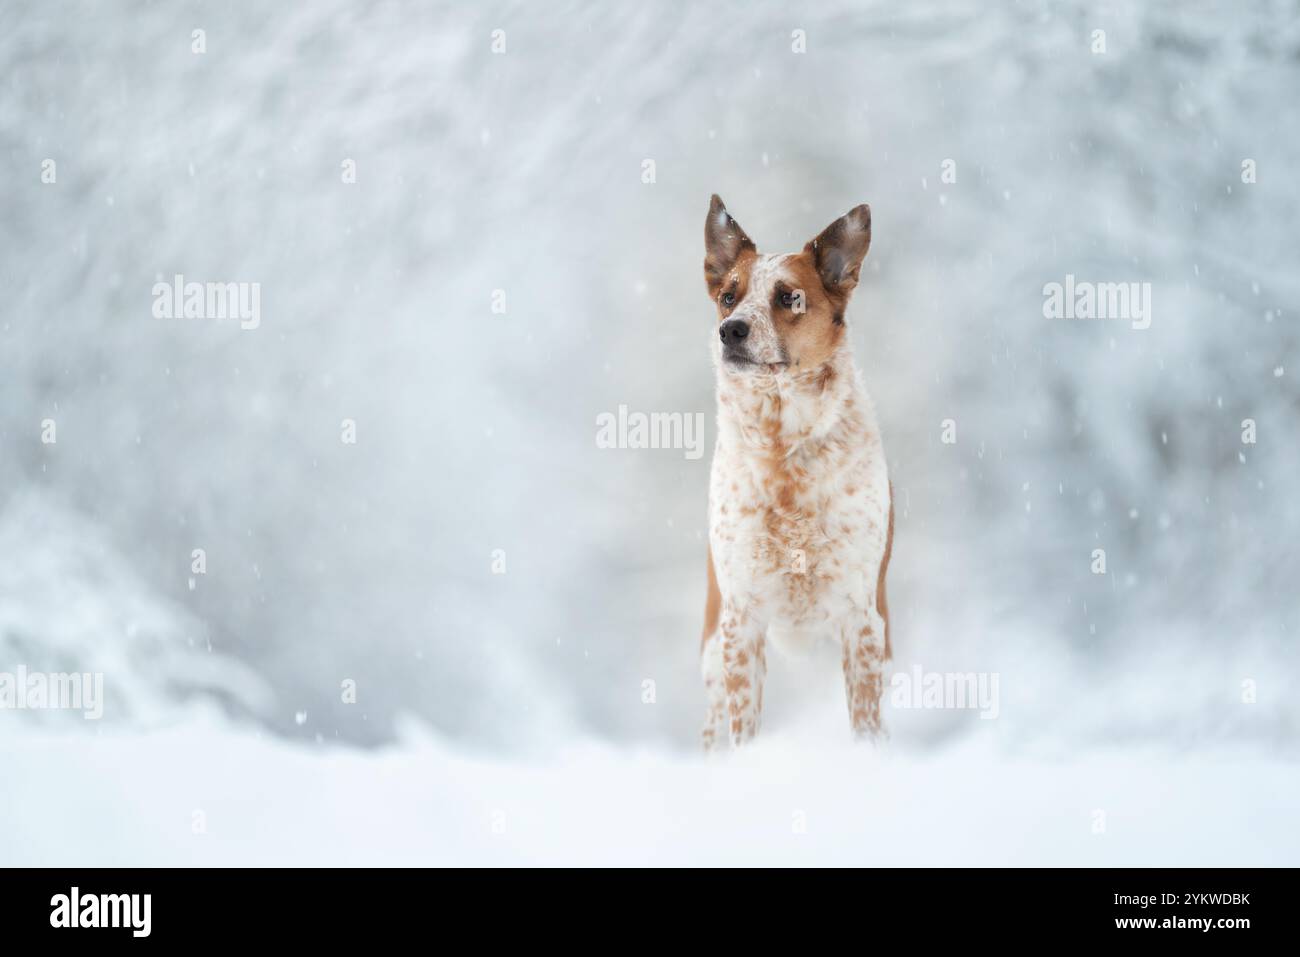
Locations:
{"points": [[522, 171]]}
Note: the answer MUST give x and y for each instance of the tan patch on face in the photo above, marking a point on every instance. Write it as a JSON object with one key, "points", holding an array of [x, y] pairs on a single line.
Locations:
{"points": [[809, 339], [734, 283]]}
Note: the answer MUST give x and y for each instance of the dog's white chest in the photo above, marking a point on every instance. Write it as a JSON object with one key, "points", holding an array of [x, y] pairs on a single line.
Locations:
{"points": [[798, 512]]}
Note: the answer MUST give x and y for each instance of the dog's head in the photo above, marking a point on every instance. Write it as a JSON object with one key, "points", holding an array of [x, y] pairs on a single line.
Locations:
{"points": [[781, 314]]}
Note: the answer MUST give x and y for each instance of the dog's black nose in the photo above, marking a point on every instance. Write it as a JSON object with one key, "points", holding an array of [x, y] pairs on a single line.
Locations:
{"points": [[733, 330]]}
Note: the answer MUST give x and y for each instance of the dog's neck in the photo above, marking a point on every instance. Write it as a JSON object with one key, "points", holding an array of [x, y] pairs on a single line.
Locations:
{"points": [[788, 412]]}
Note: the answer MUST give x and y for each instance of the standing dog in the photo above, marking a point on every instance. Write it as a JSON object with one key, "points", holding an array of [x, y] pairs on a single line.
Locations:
{"points": [[801, 516]]}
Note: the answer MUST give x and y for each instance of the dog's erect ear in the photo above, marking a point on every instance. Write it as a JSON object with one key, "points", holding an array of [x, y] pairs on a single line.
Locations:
{"points": [[840, 248], [724, 241]]}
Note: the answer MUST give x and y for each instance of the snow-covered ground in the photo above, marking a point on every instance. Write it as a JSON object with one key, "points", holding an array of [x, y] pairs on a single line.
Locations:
{"points": [[198, 793], [496, 588]]}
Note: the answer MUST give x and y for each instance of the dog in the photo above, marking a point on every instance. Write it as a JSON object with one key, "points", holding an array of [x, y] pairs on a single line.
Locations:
{"points": [[801, 515]]}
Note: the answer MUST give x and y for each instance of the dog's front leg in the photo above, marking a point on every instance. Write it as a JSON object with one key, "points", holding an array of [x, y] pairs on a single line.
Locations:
{"points": [[743, 669], [863, 640]]}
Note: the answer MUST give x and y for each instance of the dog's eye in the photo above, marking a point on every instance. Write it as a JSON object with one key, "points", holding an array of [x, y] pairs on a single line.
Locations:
{"points": [[787, 300], [728, 298]]}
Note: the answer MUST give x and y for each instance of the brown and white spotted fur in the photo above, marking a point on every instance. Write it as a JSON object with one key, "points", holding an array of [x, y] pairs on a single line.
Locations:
{"points": [[801, 517]]}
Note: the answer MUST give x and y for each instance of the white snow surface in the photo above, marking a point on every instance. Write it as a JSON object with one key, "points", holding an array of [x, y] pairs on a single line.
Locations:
{"points": [[131, 799]]}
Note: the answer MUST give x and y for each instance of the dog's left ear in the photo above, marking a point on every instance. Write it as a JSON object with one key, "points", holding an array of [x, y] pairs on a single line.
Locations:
{"points": [[840, 248]]}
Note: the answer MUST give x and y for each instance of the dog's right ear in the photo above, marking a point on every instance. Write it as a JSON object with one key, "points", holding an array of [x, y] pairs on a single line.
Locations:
{"points": [[724, 243]]}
